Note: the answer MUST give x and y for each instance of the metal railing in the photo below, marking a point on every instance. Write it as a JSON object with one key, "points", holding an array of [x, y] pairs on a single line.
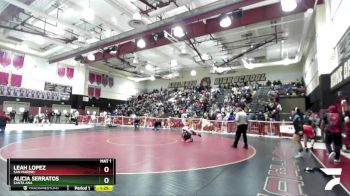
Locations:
{"points": [[270, 128]]}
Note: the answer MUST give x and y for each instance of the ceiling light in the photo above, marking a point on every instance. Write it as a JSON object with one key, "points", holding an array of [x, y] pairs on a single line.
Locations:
{"points": [[92, 40], [149, 67], [73, 46], [178, 32], [81, 39], [288, 5], [136, 16], [108, 33], [225, 21], [141, 43], [205, 57], [91, 57], [246, 64], [173, 63], [88, 14], [135, 60], [183, 51], [308, 12], [152, 78], [193, 73], [286, 61], [176, 74]]}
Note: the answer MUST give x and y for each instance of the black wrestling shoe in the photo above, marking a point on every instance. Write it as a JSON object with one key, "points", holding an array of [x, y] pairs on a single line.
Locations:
{"points": [[306, 149], [234, 146], [245, 147], [199, 135]]}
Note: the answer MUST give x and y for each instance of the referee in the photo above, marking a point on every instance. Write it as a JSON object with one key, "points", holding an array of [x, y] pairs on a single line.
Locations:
{"points": [[242, 122]]}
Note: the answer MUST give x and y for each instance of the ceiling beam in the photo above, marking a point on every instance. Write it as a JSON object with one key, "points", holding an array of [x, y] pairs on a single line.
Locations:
{"points": [[201, 13], [193, 29], [211, 26], [148, 4], [43, 14]]}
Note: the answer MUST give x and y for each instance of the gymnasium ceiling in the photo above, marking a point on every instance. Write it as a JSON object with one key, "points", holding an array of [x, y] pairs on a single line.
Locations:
{"points": [[53, 28]]}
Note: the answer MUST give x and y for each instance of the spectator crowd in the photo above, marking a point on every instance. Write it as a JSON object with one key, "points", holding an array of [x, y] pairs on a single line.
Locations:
{"points": [[212, 103]]}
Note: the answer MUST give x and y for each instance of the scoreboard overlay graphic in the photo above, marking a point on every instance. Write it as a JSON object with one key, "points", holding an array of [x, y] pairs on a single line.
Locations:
{"points": [[61, 174]]}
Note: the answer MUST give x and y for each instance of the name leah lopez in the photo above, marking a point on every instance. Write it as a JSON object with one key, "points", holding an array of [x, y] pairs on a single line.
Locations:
{"points": [[28, 169]]}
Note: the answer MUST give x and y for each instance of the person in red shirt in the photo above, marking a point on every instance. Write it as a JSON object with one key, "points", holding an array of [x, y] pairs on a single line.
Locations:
{"points": [[3, 121], [331, 125]]}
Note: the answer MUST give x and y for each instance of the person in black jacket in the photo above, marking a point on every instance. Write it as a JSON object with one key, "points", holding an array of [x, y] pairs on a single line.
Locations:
{"points": [[157, 125], [13, 116], [25, 116]]}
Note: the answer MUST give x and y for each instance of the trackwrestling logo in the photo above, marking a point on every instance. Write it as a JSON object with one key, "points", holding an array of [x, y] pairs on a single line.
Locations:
{"points": [[334, 181]]}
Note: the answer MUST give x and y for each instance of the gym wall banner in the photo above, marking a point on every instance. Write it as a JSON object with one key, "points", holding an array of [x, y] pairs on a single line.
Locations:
{"points": [[341, 74], [183, 84], [49, 86], [63, 90], [244, 78], [11, 91]]}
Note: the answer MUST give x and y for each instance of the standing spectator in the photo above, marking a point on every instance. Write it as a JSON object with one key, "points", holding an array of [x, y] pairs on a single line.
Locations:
{"points": [[261, 116], [58, 117], [331, 125], [13, 116], [268, 83], [25, 116], [76, 115], [3, 121], [297, 118], [158, 124], [261, 124], [346, 116], [230, 125], [51, 116], [242, 122]]}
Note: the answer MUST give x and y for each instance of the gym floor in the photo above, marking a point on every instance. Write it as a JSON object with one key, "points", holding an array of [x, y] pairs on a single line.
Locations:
{"points": [[160, 163]]}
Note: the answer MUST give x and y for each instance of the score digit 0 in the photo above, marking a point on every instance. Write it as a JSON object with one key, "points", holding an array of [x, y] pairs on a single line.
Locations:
{"points": [[106, 180], [106, 169]]}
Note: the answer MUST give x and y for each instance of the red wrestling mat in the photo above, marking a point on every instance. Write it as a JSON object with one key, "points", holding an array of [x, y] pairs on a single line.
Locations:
{"points": [[136, 152], [322, 157]]}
